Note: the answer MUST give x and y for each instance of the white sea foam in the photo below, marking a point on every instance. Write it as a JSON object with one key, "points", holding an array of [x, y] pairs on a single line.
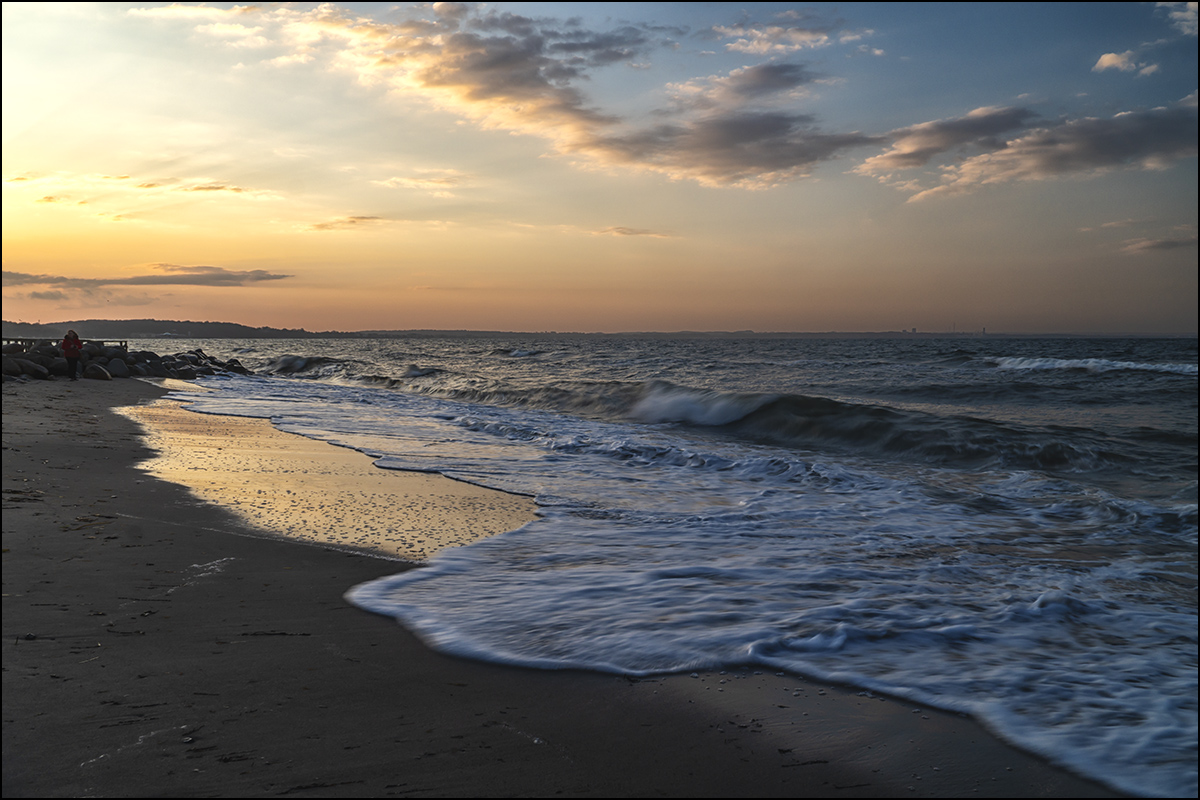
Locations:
{"points": [[1058, 613], [1091, 365], [663, 402]]}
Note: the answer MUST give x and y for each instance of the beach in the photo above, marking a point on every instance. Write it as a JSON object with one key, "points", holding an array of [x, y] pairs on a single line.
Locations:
{"points": [[160, 645]]}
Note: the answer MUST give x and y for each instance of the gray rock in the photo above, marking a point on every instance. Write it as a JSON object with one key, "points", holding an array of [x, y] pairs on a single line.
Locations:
{"points": [[11, 367], [31, 369], [38, 358], [13, 349], [96, 372]]}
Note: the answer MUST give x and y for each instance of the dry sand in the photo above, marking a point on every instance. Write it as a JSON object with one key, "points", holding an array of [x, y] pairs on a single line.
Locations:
{"points": [[158, 645]]}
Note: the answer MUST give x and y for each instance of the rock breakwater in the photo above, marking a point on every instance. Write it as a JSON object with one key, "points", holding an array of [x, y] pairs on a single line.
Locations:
{"points": [[44, 360]]}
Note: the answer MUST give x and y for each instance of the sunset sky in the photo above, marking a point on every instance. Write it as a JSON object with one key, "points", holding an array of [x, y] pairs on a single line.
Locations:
{"points": [[604, 166]]}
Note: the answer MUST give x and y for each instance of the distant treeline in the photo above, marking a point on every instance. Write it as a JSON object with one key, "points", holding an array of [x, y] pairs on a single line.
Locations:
{"points": [[116, 329], [150, 329], [120, 329]]}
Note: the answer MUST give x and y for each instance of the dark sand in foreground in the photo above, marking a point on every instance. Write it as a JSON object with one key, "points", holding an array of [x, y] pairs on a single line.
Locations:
{"points": [[155, 645]]}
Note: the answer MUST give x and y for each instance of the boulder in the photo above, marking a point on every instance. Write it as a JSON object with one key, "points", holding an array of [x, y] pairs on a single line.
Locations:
{"points": [[117, 368], [13, 349], [38, 358], [11, 367], [31, 369], [96, 372], [157, 369]]}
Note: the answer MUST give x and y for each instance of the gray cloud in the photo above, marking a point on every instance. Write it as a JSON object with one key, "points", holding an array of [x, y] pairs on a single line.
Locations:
{"points": [[523, 74], [746, 148], [1144, 139], [765, 79], [176, 275], [916, 145], [54, 295], [1151, 245]]}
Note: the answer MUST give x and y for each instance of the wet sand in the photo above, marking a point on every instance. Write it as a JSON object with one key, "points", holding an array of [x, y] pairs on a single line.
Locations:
{"points": [[159, 645]]}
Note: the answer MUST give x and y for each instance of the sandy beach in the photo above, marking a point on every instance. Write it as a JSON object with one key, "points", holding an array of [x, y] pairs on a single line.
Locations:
{"points": [[159, 644]]}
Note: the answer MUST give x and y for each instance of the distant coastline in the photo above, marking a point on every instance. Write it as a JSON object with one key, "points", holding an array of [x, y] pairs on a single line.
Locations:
{"points": [[185, 329]]}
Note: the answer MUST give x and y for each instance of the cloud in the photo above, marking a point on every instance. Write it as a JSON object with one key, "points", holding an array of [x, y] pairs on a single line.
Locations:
{"points": [[345, 223], [209, 187], [54, 295], [1125, 62], [524, 75], [622, 231], [1182, 16], [176, 275], [749, 149], [1122, 61], [774, 38], [438, 182], [191, 12], [763, 82], [1139, 139], [1135, 246], [916, 145], [236, 35]]}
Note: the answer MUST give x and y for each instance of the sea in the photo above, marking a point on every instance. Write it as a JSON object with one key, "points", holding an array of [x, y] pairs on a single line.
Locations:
{"points": [[1000, 526]]}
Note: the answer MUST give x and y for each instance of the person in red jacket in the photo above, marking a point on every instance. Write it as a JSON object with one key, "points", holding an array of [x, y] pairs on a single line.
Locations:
{"points": [[71, 348]]}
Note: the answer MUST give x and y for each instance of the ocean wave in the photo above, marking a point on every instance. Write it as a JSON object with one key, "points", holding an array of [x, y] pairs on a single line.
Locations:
{"points": [[664, 402], [823, 423], [293, 364], [1094, 365], [513, 352]]}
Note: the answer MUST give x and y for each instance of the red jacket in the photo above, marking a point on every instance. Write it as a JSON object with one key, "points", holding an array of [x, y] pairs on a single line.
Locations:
{"points": [[71, 347]]}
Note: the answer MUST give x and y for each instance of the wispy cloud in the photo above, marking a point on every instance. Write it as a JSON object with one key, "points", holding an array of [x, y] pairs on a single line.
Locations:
{"points": [[1136, 246], [916, 145], [623, 231], [346, 223], [437, 182], [1139, 139], [1182, 16], [523, 74], [801, 31], [193, 13], [172, 275], [755, 84]]}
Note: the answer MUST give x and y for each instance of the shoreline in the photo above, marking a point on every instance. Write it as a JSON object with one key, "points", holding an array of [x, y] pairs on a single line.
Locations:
{"points": [[155, 644]]}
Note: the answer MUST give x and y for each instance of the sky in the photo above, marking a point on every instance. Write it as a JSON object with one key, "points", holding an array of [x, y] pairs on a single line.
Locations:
{"points": [[1023, 167]]}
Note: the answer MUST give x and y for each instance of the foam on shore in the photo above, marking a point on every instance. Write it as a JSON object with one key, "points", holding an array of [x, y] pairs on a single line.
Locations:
{"points": [[302, 488]]}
